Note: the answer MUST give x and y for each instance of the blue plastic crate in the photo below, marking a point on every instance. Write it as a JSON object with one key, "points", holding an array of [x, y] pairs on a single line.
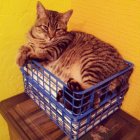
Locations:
{"points": [[42, 86]]}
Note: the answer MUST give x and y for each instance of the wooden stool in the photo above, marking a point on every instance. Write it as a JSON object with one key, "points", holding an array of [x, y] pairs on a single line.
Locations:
{"points": [[27, 121]]}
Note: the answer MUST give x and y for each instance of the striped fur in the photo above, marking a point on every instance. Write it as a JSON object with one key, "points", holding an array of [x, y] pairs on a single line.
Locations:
{"points": [[72, 54]]}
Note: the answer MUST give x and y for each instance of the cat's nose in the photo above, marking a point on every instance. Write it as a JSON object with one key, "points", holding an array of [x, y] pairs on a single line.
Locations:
{"points": [[51, 37], [51, 34]]}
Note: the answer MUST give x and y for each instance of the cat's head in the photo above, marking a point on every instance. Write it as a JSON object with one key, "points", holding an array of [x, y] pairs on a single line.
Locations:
{"points": [[50, 24]]}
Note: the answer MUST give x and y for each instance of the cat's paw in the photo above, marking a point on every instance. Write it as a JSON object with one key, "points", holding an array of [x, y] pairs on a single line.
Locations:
{"points": [[21, 59], [22, 56], [112, 87], [59, 95], [97, 100], [61, 99], [115, 84], [73, 85], [96, 103]]}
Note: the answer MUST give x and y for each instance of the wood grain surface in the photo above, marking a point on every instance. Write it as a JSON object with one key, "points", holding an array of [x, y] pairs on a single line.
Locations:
{"points": [[26, 119]]}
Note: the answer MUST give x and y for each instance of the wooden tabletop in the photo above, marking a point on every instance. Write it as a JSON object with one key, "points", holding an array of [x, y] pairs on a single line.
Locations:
{"points": [[31, 123]]}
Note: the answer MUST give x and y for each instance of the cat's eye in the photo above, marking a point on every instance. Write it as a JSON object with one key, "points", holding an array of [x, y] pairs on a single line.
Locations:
{"points": [[44, 27], [59, 29]]}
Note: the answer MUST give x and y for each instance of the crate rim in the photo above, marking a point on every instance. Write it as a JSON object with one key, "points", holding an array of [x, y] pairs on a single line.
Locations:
{"points": [[130, 66]]}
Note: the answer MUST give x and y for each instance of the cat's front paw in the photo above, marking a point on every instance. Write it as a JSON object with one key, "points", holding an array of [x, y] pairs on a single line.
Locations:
{"points": [[22, 56], [21, 59], [73, 85]]}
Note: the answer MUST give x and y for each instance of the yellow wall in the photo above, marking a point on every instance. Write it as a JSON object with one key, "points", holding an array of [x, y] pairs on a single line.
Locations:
{"points": [[114, 21], [16, 17]]}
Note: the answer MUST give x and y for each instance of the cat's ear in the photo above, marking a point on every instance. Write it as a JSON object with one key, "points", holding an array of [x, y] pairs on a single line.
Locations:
{"points": [[41, 11], [66, 16]]}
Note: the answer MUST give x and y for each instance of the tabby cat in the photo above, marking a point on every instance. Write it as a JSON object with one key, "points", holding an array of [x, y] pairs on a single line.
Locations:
{"points": [[79, 59]]}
